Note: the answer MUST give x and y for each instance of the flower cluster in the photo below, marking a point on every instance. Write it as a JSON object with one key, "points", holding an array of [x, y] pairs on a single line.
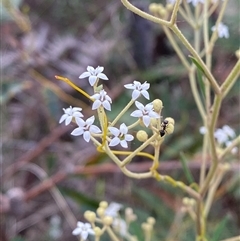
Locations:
{"points": [[102, 101], [108, 215], [223, 136], [222, 30]]}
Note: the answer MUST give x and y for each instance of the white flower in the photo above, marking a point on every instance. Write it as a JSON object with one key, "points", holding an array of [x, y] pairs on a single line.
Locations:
{"points": [[120, 226], [138, 89], [93, 74], [83, 229], [71, 113], [86, 128], [103, 99], [222, 30], [113, 209], [203, 130], [145, 112], [229, 131], [221, 136], [120, 136], [195, 2]]}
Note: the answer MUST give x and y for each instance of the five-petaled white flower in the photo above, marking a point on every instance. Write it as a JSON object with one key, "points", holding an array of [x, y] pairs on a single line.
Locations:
{"points": [[138, 89], [103, 99], [195, 2], [145, 112], [113, 209], [83, 229], [120, 136], [86, 128], [93, 74], [222, 30], [71, 113]]}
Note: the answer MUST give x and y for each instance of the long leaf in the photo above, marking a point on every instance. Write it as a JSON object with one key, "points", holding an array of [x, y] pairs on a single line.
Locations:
{"points": [[186, 169]]}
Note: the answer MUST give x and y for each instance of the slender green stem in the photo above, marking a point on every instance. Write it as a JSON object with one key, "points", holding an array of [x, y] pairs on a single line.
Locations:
{"points": [[143, 14], [208, 74], [231, 79], [122, 112], [139, 149]]}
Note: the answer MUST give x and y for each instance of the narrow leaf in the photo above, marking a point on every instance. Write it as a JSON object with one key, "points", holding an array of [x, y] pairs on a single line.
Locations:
{"points": [[186, 169]]}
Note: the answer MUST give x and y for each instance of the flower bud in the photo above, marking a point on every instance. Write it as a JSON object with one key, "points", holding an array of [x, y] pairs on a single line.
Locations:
{"points": [[237, 53], [151, 220], [170, 128], [169, 7], [90, 216], [103, 204], [97, 231], [101, 212], [142, 136], [153, 7], [157, 105], [107, 220]]}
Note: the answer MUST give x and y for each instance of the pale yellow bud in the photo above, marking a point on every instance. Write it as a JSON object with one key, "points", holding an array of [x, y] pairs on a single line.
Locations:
{"points": [[101, 212], [192, 202], [157, 105], [162, 12], [151, 220], [103, 204], [237, 53], [146, 227], [185, 201], [90, 216], [169, 7], [107, 220], [153, 121], [153, 7], [97, 231], [142, 136], [169, 128]]}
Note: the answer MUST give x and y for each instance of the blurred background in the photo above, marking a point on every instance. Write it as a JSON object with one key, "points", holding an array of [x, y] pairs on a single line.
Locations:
{"points": [[48, 177]]}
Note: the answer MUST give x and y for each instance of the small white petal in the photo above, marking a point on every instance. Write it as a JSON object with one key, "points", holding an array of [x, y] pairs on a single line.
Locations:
{"points": [[114, 131], [84, 75], [135, 94], [145, 94], [77, 132], [137, 113], [123, 128], [139, 105], [124, 144], [63, 117], [114, 142], [129, 137], [102, 76], [77, 231], [68, 120], [146, 120], [96, 104], [106, 105], [86, 136], [90, 120], [94, 129], [92, 80]]}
